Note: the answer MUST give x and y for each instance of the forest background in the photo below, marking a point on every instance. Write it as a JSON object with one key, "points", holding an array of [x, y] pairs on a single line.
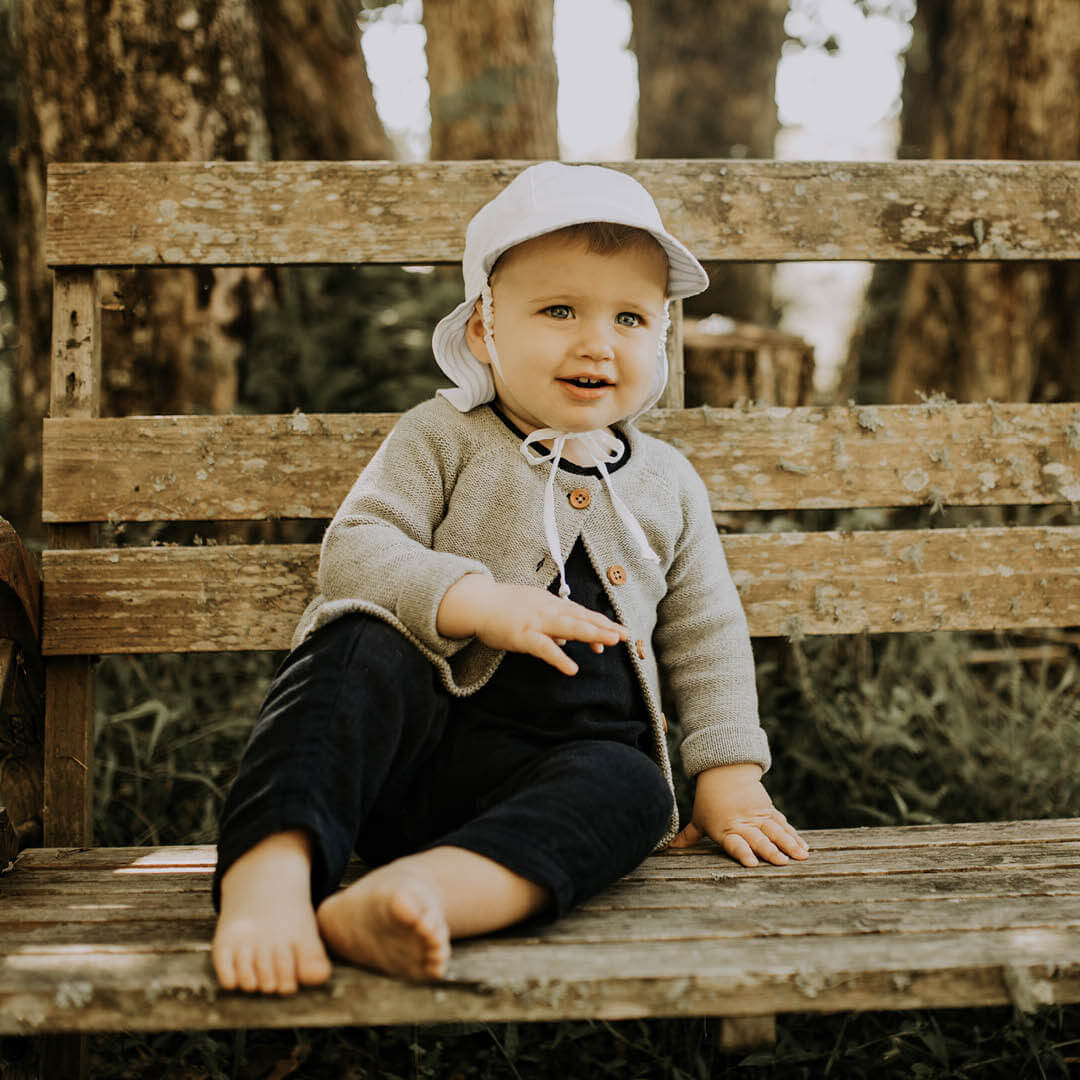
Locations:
{"points": [[873, 730]]}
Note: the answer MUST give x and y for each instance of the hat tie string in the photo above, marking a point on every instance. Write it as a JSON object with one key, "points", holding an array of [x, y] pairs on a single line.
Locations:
{"points": [[601, 448]]}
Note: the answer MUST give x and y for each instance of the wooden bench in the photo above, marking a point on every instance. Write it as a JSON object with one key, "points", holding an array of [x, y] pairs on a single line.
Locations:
{"points": [[97, 939]]}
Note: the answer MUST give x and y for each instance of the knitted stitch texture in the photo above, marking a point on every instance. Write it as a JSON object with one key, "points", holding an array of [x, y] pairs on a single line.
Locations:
{"points": [[449, 493]]}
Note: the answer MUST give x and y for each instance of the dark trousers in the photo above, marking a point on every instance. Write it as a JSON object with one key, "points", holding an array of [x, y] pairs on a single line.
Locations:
{"points": [[360, 744]]}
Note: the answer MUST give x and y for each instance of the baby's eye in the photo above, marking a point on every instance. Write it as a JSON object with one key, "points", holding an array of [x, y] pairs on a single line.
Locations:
{"points": [[628, 318], [559, 311]]}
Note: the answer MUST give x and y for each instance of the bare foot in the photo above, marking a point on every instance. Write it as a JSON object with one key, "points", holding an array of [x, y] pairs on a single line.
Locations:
{"points": [[391, 919], [267, 938]]}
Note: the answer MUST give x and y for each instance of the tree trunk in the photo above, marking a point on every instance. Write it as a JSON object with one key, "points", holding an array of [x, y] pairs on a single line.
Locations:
{"points": [[707, 84], [319, 99], [1004, 77], [141, 81], [491, 70], [172, 80], [869, 364]]}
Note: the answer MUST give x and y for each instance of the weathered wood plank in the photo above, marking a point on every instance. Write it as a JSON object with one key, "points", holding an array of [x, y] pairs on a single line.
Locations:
{"points": [[62, 988], [969, 858], [202, 857], [1045, 872], [913, 873], [240, 597], [833, 933], [765, 891], [113, 923], [155, 922], [674, 395], [240, 213], [201, 468], [950, 835], [75, 382]]}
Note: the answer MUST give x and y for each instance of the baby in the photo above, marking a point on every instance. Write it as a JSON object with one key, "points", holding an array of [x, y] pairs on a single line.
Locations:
{"points": [[472, 703]]}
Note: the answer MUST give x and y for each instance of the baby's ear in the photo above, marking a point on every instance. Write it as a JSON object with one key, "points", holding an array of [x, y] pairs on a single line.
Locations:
{"points": [[474, 334]]}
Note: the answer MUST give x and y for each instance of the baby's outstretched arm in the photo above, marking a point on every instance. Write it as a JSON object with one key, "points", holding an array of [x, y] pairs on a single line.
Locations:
{"points": [[733, 808], [523, 618]]}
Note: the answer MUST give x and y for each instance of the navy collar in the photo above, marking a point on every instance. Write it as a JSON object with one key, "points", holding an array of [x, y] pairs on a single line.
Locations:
{"points": [[570, 466]]}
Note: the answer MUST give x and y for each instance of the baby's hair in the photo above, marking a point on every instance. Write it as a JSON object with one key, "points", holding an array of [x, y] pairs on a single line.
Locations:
{"points": [[600, 238], [607, 237]]}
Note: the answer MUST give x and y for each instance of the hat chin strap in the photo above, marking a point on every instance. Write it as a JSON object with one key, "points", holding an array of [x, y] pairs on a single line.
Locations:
{"points": [[599, 447]]}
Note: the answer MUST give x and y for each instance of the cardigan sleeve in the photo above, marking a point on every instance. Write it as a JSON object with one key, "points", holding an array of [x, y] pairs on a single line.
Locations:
{"points": [[703, 646], [378, 547]]}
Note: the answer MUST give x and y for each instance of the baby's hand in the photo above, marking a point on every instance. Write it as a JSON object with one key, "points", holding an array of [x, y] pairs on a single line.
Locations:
{"points": [[523, 618], [733, 808]]}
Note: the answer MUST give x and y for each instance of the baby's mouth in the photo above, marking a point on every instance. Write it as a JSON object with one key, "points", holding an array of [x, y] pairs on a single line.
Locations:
{"points": [[587, 383]]}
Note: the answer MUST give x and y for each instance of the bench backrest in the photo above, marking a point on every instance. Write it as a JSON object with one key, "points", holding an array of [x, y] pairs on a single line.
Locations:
{"points": [[238, 596]]}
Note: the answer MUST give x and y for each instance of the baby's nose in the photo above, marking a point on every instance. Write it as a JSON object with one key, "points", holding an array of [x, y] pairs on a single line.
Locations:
{"points": [[596, 345]]}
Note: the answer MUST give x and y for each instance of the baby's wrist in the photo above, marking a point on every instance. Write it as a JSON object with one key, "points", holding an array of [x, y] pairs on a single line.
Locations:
{"points": [[739, 772], [461, 605]]}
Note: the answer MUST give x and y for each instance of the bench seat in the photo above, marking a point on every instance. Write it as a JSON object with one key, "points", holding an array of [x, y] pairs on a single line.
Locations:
{"points": [[109, 939]]}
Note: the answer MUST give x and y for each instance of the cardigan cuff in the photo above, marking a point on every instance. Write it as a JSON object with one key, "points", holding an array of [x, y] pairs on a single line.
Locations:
{"points": [[419, 598], [725, 745]]}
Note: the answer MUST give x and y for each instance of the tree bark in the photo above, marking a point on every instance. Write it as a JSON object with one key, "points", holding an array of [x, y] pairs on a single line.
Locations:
{"points": [[1004, 78], [140, 81], [161, 81], [491, 71], [319, 98], [707, 83]]}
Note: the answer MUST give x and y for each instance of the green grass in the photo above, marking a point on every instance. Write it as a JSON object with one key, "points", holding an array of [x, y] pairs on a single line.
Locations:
{"points": [[894, 729], [985, 1043]]}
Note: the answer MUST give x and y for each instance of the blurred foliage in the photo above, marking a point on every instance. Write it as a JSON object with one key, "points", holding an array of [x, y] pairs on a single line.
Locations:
{"points": [[992, 1044], [347, 339], [169, 731], [903, 729]]}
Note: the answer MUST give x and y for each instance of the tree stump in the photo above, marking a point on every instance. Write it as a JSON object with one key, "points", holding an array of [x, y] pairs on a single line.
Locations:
{"points": [[729, 362]]}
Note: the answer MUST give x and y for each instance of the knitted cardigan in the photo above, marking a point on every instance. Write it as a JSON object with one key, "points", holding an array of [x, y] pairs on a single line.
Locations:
{"points": [[449, 493]]}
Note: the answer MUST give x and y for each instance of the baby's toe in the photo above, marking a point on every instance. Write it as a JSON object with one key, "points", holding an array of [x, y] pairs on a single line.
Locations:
{"points": [[311, 964], [244, 964], [265, 970], [437, 961], [284, 969], [224, 961]]}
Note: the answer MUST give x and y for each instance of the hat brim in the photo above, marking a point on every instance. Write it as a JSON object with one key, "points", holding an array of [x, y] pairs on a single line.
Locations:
{"points": [[473, 381]]}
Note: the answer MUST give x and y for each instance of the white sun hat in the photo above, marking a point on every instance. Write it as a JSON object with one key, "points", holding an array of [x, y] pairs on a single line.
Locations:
{"points": [[540, 200]]}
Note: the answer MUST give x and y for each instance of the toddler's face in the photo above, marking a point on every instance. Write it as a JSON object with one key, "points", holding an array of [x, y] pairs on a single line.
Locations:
{"points": [[576, 332]]}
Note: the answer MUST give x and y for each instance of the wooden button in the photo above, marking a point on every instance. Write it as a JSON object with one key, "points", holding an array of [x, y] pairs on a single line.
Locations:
{"points": [[579, 498], [663, 722], [616, 574], [640, 646]]}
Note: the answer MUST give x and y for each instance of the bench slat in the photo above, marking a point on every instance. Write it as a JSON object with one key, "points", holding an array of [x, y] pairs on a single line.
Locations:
{"points": [[205, 468], [138, 989], [29, 906], [243, 597], [291, 212], [807, 937]]}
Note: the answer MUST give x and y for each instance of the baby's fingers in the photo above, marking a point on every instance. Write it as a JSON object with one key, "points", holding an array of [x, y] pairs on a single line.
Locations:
{"points": [[545, 648], [786, 839], [751, 842], [739, 849], [572, 627]]}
